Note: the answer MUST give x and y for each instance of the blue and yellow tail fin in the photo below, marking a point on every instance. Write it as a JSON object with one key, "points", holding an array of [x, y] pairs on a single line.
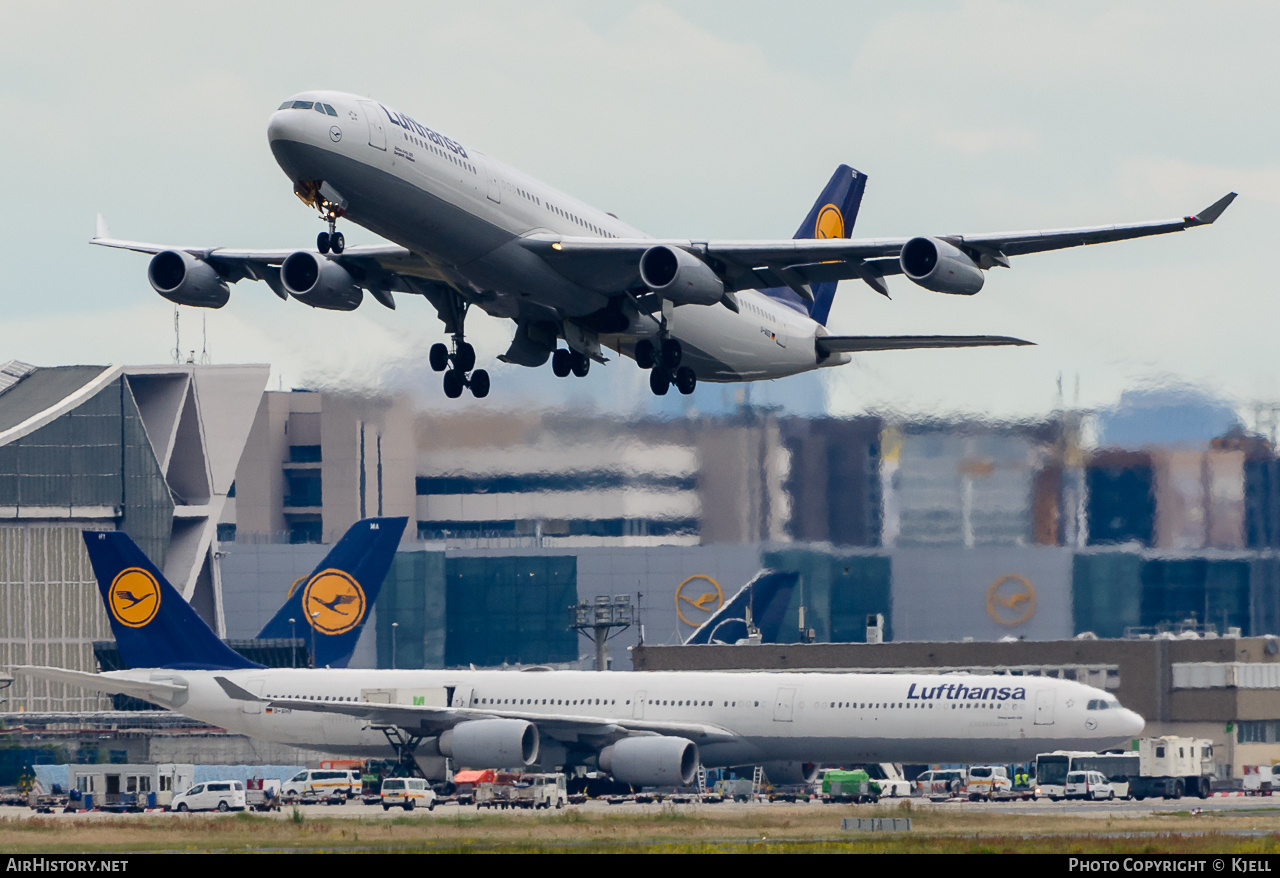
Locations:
{"points": [[335, 599], [832, 216], [153, 625]]}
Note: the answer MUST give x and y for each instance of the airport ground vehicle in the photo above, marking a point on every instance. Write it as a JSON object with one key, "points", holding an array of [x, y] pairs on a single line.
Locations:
{"points": [[322, 784], [986, 781], [1173, 766], [889, 776], [941, 783], [262, 795], [738, 789], [839, 785], [1052, 770], [1088, 785], [1259, 780], [407, 793], [507, 790], [47, 803], [215, 795]]}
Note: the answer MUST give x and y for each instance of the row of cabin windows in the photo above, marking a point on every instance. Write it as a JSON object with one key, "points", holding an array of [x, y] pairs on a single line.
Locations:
{"points": [[670, 703], [574, 218], [418, 141]]}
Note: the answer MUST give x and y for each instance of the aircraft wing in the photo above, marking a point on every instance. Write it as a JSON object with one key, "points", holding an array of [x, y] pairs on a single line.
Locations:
{"points": [[160, 691], [379, 268], [612, 264], [426, 720], [829, 344]]}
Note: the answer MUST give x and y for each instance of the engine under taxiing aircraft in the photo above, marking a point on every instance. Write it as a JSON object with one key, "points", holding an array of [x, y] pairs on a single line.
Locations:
{"points": [[642, 728], [469, 230]]}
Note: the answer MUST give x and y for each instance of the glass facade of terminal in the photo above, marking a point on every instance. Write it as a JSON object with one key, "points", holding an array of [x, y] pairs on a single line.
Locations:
{"points": [[839, 591], [1115, 592], [96, 455]]}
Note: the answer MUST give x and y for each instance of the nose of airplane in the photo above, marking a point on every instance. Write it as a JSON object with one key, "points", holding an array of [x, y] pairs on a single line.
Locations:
{"points": [[284, 125], [1130, 723]]}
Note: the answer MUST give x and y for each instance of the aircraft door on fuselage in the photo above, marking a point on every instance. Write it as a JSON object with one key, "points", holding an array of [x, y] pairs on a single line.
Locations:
{"points": [[784, 706], [377, 133], [495, 185], [254, 686], [637, 706], [1044, 707]]}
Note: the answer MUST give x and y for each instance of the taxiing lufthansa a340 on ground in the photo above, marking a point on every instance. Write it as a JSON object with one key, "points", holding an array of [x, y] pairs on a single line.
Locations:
{"points": [[470, 230], [642, 728]]}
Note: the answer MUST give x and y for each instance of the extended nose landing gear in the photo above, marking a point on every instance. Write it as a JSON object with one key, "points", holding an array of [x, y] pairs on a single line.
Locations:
{"points": [[456, 365], [330, 240], [311, 192], [664, 364]]}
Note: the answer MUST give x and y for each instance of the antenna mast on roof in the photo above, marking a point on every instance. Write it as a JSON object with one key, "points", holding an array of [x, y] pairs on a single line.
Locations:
{"points": [[205, 359]]}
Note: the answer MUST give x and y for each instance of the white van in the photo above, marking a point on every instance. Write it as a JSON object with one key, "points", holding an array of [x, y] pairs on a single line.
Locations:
{"points": [[408, 793], [220, 795], [322, 783], [1089, 785]]}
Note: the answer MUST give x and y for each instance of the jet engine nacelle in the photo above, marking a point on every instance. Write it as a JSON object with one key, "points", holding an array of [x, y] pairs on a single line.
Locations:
{"points": [[791, 772], [941, 267], [651, 761], [491, 743], [186, 280], [680, 276], [319, 282]]}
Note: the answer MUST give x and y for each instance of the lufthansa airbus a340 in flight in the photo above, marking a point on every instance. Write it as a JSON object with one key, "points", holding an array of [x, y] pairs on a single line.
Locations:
{"points": [[469, 230]]}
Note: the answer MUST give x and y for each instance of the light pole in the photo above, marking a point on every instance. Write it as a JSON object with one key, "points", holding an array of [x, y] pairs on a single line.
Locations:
{"points": [[394, 626], [293, 640], [312, 659]]}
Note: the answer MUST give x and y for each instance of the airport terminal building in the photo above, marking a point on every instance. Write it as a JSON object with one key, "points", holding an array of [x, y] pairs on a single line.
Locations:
{"points": [[950, 531]]}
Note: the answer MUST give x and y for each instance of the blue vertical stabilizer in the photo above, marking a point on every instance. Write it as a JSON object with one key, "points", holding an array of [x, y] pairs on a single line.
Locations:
{"points": [[768, 595], [153, 625], [832, 216], [337, 596]]}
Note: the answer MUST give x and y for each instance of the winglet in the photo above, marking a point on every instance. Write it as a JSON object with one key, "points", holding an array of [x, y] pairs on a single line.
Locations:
{"points": [[234, 692], [1212, 212], [101, 231]]}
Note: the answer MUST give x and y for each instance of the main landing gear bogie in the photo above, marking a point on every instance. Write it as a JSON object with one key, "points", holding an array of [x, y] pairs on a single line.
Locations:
{"points": [[565, 362], [456, 367], [663, 363]]}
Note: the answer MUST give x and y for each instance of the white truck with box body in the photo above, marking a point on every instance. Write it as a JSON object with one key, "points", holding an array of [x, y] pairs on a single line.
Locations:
{"points": [[1171, 767]]}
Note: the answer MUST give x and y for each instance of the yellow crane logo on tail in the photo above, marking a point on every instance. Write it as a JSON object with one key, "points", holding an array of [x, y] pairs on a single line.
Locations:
{"points": [[135, 597], [333, 601]]}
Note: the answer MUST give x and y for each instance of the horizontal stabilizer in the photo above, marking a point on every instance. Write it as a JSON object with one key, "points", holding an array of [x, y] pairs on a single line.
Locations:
{"points": [[159, 691], [831, 344]]}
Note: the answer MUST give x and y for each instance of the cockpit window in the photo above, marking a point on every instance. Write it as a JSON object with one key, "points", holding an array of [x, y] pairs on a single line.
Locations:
{"points": [[328, 108], [319, 108], [286, 105], [302, 105]]}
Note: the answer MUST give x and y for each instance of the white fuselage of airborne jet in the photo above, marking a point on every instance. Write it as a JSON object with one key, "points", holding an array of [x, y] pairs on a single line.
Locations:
{"points": [[734, 718], [470, 230], [471, 215]]}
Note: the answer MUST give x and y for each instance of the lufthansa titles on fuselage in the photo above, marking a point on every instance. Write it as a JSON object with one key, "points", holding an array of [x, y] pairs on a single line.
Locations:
{"points": [[959, 691], [408, 123]]}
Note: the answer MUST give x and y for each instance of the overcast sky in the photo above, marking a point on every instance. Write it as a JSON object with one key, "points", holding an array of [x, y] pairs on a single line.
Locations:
{"points": [[701, 119]]}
